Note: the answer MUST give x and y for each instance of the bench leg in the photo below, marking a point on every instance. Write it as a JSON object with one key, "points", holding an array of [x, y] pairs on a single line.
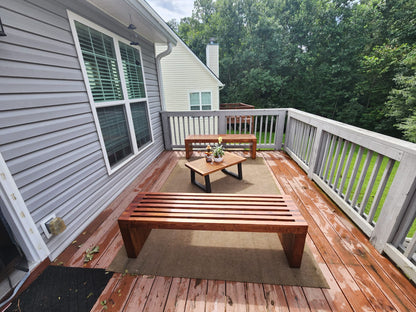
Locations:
{"points": [[253, 149], [188, 149], [293, 245], [134, 237]]}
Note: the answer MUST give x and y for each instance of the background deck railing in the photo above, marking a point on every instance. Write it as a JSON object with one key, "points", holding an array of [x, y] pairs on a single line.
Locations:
{"points": [[266, 124], [371, 177]]}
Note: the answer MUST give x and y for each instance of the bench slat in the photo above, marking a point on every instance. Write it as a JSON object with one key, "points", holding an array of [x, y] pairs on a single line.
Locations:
{"points": [[217, 210], [205, 196], [223, 225], [216, 215], [215, 207]]}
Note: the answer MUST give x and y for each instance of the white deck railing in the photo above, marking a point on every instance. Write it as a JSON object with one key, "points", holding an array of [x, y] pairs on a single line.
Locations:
{"points": [[266, 124], [371, 177]]}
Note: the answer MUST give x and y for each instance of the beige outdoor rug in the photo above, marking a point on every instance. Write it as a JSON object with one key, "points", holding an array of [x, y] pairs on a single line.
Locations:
{"points": [[230, 256], [257, 179]]}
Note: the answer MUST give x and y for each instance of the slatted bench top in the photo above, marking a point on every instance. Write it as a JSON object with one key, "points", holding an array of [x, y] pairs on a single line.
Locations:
{"points": [[214, 212], [226, 138], [258, 213]]}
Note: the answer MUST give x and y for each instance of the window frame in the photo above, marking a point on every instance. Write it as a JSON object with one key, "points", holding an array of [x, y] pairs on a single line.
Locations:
{"points": [[200, 99], [126, 102]]}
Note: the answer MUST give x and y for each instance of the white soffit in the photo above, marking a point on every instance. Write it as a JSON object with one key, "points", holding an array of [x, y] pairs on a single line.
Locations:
{"points": [[137, 12]]}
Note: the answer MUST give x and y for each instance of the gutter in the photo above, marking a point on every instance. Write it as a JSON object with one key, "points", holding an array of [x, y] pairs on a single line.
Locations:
{"points": [[159, 74]]}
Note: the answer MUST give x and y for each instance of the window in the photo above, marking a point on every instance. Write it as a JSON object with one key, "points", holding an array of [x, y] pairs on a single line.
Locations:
{"points": [[117, 92], [200, 100]]}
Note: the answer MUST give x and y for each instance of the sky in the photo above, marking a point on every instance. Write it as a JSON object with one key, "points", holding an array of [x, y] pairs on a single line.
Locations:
{"points": [[169, 9]]}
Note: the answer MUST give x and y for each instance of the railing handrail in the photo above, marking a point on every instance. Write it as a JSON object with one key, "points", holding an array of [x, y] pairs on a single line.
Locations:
{"points": [[354, 134]]}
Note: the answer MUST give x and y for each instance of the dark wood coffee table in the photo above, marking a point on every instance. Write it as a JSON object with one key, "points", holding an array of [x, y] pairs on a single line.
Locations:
{"points": [[204, 169]]}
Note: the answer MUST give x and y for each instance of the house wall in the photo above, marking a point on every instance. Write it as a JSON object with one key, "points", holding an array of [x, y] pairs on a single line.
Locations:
{"points": [[48, 137], [183, 73]]}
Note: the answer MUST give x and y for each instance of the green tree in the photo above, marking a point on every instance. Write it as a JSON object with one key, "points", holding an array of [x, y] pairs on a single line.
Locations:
{"points": [[336, 58], [402, 99]]}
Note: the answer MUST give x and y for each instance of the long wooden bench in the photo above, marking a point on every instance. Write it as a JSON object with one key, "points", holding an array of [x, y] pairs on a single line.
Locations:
{"points": [[214, 212], [226, 138]]}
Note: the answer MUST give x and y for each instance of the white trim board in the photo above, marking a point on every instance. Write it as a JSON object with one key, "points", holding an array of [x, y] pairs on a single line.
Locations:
{"points": [[20, 219]]}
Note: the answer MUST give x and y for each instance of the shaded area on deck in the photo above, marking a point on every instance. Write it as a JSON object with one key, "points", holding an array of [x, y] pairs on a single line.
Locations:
{"points": [[360, 278]]}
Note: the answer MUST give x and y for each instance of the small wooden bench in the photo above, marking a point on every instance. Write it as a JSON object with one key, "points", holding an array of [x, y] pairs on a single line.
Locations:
{"points": [[226, 138], [214, 212]]}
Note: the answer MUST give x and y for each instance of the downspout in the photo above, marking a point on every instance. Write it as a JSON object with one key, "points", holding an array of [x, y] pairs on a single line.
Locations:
{"points": [[159, 74]]}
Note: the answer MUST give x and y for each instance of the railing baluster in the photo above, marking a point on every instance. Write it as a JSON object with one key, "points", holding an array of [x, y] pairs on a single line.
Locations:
{"points": [[180, 130], [303, 142], [340, 165], [325, 150], [411, 248], [261, 129], [311, 140], [297, 137], [329, 157], [361, 179], [335, 160], [271, 129], [370, 184], [380, 190], [175, 139], [347, 167], [354, 174], [235, 123], [304, 151], [266, 129]]}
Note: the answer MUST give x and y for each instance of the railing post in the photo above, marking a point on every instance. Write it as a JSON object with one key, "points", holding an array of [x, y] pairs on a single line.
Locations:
{"points": [[166, 130], [280, 130], [287, 143], [315, 152], [222, 123], [396, 202]]}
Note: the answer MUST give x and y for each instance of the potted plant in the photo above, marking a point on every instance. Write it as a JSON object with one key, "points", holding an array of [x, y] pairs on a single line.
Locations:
{"points": [[218, 151]]}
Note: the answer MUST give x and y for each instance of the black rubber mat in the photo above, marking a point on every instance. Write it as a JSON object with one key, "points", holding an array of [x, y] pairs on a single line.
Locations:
{"points": [[62, 289]]}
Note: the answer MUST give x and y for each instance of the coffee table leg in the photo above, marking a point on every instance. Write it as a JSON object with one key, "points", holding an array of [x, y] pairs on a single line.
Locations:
{"points": [[193, 176], [237, 176], [207, 184], [206, 187]]}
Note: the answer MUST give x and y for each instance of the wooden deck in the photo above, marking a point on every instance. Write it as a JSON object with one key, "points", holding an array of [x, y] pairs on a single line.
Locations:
{"points": [[360, 278]]}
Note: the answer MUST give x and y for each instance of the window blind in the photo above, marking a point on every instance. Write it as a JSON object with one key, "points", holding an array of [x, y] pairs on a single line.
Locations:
{"points": [[115, 133], [132, 69], [100, 63], [141, 123]]}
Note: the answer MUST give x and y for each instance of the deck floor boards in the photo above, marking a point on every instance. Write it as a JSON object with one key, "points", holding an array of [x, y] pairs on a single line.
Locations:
{"points": [[360, 279]]}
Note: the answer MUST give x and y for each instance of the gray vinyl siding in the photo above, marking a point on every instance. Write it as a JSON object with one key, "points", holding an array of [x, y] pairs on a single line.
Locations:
{"points": [[47, 133]]}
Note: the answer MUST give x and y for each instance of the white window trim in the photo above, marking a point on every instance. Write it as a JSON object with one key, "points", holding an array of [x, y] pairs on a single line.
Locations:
{"points": [[126, 102], [200, 101]]}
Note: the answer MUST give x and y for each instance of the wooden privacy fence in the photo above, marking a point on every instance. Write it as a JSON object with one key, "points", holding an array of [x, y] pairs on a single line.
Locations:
{"points": [[371, 177]]}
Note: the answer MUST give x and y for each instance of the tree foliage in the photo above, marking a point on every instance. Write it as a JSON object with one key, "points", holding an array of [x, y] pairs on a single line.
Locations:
{"points": [[347, 60]]}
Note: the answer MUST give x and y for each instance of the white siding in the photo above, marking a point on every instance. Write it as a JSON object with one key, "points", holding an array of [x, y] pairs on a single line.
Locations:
{"points": [[183, 73], [48, 137]]}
